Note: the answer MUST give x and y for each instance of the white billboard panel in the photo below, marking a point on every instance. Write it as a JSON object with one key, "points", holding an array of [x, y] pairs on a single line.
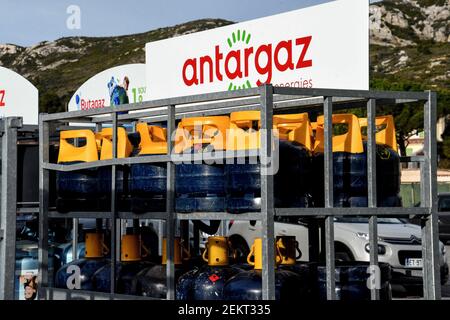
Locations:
{"points": [[18, 97], [324, 46], [114, 86]]}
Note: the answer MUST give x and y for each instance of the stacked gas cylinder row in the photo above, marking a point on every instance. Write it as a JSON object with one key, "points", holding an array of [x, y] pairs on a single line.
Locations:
{"points": [[223, 187], [219, 278], [234, 187]]}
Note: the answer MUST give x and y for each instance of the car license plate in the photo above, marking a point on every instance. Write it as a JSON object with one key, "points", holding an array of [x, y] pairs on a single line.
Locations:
{"points": [[414, 262], [417, 273]]}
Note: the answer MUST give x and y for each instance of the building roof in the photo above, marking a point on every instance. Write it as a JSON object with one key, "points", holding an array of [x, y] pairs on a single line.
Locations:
{"points": [[413, 175]]}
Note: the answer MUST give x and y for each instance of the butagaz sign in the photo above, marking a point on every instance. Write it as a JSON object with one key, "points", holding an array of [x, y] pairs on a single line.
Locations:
{"points": [[293, 49], [112, 87]]}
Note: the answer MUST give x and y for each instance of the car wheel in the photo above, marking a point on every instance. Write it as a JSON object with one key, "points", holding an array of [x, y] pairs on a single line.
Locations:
{"points": [[240, 248], [343, 256], [343, 253]]}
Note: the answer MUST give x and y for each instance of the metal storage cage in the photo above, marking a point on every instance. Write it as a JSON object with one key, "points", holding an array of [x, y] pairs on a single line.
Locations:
{"points": [[267, 99], [18, 195]]}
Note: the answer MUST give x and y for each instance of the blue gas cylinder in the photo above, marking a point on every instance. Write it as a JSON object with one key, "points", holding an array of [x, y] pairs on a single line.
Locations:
{"points": [[130, 265], [78, 274], [66, 277], [350, 168], [125, 276], [152, 281], [352, 279], [247, 285], [185, 285], [208, 281], [77, 190], [200, 186], [124, 150], [148, 180], [294, 162]]}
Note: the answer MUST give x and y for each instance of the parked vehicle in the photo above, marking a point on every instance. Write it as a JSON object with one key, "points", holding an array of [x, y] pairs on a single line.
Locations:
{"points": [[444, 217], [444, 220], [399, 244]]}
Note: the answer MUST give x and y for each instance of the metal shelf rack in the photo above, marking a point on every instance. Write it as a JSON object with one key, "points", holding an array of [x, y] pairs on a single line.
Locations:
{"points": [[12, 132], [267, 99]]}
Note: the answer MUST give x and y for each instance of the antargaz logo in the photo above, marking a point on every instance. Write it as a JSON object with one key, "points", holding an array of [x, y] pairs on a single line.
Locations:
{"points": [[242, 59]]}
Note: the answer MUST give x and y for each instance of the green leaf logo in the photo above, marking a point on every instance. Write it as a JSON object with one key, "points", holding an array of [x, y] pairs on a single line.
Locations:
{"points": [[239, 36]]}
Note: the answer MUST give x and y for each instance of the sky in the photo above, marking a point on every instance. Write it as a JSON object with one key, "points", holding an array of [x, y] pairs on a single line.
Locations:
{"points": [[28, 22]]}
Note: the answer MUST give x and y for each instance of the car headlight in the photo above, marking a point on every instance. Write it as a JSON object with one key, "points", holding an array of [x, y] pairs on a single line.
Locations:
{"points": [[365, 236], [381, 248]]}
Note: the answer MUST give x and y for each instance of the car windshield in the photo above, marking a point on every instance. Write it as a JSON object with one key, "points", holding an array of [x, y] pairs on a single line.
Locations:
{"points": [[366, 220], [444, 204]]}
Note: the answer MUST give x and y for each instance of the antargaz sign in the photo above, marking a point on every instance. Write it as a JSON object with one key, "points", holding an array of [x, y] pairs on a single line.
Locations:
{"points": [[324, 46], [18, 97]]}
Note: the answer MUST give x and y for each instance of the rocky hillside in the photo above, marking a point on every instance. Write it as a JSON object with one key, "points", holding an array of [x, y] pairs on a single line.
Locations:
{"points": [[402, 23], [410, 41], [61, 66]]}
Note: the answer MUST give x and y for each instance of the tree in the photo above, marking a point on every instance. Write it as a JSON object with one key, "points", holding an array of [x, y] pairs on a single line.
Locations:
{"points": [[50, 102], [409, 117]]}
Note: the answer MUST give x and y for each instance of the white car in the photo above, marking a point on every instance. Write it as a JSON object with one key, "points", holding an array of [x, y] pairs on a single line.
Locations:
{"points": [[399, 245]]}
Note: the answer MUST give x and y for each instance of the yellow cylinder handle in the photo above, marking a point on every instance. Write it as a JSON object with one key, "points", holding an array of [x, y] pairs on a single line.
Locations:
{"points": [[245, 119], [244, 133], [180, 252], [350, 142], [185, 254], [131, 248], [288, 249], [124, 147], [384, 135], [192, 132], [70, 153], [95, 245], [256, 253], [216, 251], [153, 139]]}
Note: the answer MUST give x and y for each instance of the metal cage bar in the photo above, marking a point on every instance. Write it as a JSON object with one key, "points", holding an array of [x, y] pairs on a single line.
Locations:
{"points": [[267, 198], [170, 206], [329, 221], [8, 206], [372, 193], [44, 157], [115, 228], [430, 231]]}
